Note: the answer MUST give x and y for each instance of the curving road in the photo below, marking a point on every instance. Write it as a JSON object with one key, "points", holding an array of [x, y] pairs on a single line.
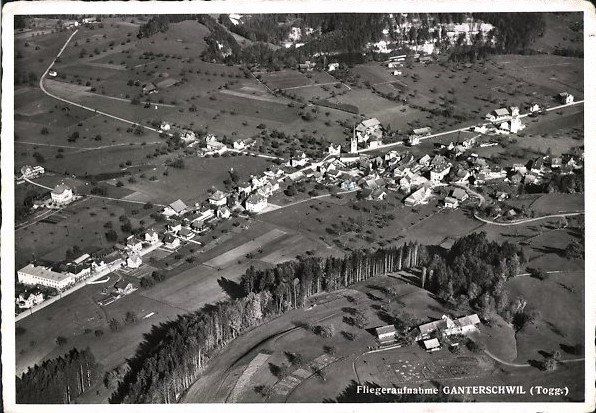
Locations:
{"points": [[526, 220], [44, 90]]}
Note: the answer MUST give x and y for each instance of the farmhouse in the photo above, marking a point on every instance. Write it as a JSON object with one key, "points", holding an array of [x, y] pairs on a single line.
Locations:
{"points": [[123, 287], [566, 98], [149, 88], [176, 208], [171, 242], [367, 129], [39, 275], [385, 334], [332, 66], [451, 202], [62, 194], [33, 299], [446, 326], [420, 196], [502, 114], [29, 172], [431, 345], [218, 198], [459, 194], [256, 203]]}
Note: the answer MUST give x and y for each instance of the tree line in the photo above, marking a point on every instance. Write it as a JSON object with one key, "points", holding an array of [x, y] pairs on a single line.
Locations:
{"points": [[175, 353], [60, 380], [471, 273]]}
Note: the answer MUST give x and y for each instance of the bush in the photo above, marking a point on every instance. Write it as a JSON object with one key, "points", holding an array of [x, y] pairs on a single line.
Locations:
{"points": [[147, 282], [98, 332]]}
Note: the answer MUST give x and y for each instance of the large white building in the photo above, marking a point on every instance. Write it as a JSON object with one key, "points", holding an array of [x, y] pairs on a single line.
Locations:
{"points": [[256, 203], [39, 275], [62, 194]]}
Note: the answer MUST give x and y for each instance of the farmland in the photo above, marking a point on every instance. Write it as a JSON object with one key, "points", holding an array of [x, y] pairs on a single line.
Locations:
{"points": [[261, 352], [93, 121]]}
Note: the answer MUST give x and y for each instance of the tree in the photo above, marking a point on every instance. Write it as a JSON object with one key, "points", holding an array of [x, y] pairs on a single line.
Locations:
{"points": [[130, 317], [114, 325], [147, 282], [574, 250], [111, 235], [61, 340]]}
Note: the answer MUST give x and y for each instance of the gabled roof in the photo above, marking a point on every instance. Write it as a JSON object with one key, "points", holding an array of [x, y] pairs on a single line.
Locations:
{"points": [[255, 199], [217, 195], [432, 343], [60, 188], [385, 330], [178, 206], [502, 112], [471, 319]]}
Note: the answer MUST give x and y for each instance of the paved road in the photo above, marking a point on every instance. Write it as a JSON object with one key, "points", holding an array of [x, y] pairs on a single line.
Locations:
{"points": [[467, 128], [526, 220]]}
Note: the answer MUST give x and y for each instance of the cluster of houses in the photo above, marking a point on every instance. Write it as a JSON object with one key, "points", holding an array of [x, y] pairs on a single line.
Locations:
{"points": [[87, 267], [402, 172], [430, 335], [504, 120], [184, 222], [536, 170], [30, 172]]}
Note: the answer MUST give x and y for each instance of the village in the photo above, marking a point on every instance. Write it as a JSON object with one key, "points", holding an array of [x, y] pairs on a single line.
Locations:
{"points": [[450, 173], [285, 208]]}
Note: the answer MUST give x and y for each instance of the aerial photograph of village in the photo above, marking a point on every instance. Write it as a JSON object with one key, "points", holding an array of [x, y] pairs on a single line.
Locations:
{"points": [[299, 208]]}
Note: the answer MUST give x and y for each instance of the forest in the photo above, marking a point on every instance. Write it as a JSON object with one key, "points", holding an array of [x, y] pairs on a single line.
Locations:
{"points": [[60, 380], [471, 273]]}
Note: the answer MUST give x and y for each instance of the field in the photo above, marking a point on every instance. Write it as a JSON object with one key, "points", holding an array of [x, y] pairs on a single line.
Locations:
{"points": [[249, 369]]}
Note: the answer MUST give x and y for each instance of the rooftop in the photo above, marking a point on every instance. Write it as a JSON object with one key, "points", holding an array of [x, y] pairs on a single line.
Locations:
{"points": [[44, 272]]}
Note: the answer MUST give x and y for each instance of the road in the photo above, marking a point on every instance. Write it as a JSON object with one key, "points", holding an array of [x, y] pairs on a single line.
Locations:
{"points": [[526, 220], [466, 128], [42, 87], [488, 353]]}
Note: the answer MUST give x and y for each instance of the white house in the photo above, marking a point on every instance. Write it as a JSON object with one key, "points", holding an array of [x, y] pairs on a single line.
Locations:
{"points": [[151, 237], [300, 160], [134, 244], [332, 66], [396, 73], [187, 136], [218, 198], [165, 126], [446, 326], [566, 98], [39, 275], [223, 212], [62, 194], [30, 301], [256, 203], [133, 260], [52, 73], [334, 150]]}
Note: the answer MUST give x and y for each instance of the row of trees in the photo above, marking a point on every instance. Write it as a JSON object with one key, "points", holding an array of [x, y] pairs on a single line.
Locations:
{"points": [[174, 354], [472, 272], [59, 380]]}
